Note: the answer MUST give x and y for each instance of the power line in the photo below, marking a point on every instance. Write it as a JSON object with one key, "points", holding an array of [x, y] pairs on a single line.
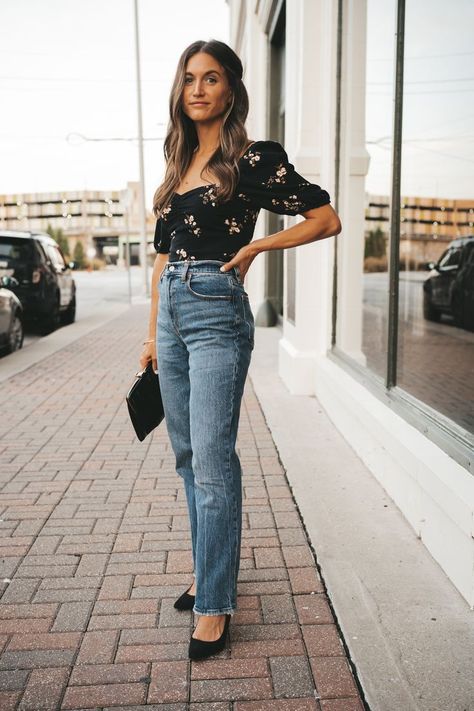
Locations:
{"points": [[425, 56], [421, 148], [446, 155], [422, 81], [79, 79], [419, 93], [127, 59]]}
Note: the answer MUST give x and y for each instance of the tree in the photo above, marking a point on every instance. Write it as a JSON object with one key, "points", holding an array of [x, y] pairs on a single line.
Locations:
{"points": [[375, 245], [79, 256], [61, 239]]}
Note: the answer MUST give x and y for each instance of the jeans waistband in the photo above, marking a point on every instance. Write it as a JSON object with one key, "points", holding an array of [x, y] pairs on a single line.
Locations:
{"points": [[182, 267]]}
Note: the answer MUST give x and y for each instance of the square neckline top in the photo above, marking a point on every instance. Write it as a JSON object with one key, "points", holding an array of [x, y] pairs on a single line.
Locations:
{"points": [[197, 225], [210, 185]]}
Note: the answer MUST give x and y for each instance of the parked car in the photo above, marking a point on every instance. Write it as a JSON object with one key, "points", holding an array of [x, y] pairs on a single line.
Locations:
{"points": [[46, 288], [11, 317], [449, 289]]}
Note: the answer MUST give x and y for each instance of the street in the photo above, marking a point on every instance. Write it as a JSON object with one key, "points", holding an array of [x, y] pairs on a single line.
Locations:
{"points": [[97, 289]]}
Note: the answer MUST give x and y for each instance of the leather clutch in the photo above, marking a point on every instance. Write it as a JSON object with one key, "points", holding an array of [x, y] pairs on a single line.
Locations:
{"points": [[144, 402]]}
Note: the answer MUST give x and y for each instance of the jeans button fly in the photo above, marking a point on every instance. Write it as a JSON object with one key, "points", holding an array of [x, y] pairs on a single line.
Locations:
{"points": [[171, 268]]}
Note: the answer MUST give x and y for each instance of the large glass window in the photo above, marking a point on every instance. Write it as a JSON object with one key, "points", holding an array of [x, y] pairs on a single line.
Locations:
{"points": [[410, 318], [435, 358], [380, 59]]}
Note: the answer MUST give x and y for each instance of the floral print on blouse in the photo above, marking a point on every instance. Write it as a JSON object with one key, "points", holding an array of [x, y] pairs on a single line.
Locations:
{"points": [[194, 226]]}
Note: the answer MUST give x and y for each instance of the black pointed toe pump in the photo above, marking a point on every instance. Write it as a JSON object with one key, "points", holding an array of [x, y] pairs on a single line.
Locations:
{"points": [[200, 649], [185, 601]]}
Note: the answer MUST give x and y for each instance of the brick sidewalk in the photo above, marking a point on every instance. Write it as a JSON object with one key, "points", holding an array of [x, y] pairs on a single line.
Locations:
{"points": [[95, 547]]}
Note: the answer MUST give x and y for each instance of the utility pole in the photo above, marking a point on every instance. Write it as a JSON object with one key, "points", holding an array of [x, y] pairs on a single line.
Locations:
{"points": [[142, 208]]}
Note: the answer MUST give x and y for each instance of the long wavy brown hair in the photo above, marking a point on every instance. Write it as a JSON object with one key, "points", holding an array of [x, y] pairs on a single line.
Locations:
{"points": [[181, 137]]}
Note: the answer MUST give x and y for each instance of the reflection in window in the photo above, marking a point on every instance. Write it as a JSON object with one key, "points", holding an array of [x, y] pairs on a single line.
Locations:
{"points": [[380, 58], [435, 359], [450, 258]]}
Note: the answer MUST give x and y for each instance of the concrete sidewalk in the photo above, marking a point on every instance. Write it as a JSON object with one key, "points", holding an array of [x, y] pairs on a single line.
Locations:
{"points": [[409, 632], [95, 547]]}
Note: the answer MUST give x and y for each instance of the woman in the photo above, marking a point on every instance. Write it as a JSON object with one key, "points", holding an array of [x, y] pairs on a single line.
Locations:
{"points": [[201, 329]]}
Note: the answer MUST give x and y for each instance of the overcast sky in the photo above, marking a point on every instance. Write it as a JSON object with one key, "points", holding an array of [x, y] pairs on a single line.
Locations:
{"points": [[68, 67], [438, 103]]}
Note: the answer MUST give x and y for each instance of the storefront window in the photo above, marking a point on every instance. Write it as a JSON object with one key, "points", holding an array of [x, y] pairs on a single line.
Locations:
{"points": [[435, 357]]}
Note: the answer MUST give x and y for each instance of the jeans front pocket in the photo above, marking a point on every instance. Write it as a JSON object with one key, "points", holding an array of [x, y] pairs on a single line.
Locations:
{"points": [[238, 276], [210, 285], [239, 285]]}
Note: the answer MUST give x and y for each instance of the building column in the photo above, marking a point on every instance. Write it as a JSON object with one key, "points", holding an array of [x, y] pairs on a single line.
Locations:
{"points": [[309, 141], [354, 168]]}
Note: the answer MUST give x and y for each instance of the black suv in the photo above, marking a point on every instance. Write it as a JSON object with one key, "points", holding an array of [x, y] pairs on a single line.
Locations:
{"points": [[45, 287], [449, 288]]}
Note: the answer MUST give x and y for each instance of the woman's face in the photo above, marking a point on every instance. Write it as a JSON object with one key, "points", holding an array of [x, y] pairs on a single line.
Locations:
{"points": [[205, 81]]}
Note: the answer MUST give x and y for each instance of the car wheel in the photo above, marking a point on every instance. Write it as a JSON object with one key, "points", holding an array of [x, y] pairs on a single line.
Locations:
{"points": [[69, 315], [15, 336], [53, 320], [429, 311]]}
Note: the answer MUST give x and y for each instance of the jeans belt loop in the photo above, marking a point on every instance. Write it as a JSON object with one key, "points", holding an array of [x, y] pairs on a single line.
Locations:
{"points": [[185, 271]]}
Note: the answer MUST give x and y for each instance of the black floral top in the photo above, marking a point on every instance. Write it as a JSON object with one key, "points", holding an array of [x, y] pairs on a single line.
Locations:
{"points": [[193, 226]]}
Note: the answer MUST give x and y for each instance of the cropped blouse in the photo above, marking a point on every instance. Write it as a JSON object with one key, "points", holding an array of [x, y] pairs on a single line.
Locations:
{"points": [[194, 226]]}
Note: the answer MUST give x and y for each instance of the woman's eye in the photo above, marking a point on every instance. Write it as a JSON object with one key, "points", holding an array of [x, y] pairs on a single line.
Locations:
{"points": [[189, 79]]}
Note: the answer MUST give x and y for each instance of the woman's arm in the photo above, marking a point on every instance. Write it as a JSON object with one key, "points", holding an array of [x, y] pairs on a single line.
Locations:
{"points": [[149, 349], [320, 223]]}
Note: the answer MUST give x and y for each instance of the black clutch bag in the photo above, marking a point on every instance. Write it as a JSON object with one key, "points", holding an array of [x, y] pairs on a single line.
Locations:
{"points": [[144, 402]]}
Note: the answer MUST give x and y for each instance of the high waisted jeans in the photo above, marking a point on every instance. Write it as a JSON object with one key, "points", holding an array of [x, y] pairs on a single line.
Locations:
{"points": [[205, 338]]}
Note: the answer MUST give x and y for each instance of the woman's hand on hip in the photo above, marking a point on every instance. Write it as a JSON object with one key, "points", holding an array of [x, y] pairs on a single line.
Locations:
{"points": [[243, 259]]}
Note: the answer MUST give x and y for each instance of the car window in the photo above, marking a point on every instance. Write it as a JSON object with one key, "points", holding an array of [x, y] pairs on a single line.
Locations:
{"points": [[450, 258], [41, 251], [55, 256], [469, 254], [15, 250]]}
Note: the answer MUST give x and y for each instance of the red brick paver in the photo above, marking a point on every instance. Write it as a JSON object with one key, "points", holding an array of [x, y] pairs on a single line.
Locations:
{"points": [[95, 547]]}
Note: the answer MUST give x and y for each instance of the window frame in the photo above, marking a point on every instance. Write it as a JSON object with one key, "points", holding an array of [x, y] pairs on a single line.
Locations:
{"points": [[457, 442]]}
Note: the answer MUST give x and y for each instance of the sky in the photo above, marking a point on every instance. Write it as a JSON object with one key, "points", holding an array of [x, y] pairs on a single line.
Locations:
{"points": [[438, 102], [68, 67], [67, 83]]}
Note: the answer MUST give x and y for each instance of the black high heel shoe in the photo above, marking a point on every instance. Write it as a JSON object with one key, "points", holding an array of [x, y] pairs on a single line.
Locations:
{"points": [[185, 601], [200, 648]]}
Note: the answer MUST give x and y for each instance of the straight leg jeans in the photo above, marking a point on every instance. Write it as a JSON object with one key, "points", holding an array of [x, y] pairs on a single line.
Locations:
{"points": [[205, 338]]}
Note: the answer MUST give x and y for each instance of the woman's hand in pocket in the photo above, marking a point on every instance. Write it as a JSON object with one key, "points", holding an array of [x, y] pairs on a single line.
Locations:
{"points": [[149, 353], [243, 259]]}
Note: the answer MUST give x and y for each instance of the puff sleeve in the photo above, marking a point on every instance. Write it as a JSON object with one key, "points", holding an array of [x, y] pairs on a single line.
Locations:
{"points": [[271, 181], [162, 239]]}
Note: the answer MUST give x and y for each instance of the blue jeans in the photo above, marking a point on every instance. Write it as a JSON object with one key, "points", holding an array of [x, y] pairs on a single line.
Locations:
{"points": [[205, 338]]}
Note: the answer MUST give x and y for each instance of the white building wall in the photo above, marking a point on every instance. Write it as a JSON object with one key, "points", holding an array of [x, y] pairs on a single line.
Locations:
{"points": [[250, 42], [309, 134], [435, 493]]}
